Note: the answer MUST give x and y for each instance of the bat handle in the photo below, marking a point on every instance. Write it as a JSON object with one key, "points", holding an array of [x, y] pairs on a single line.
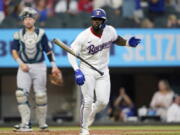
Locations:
{"points": [[101, 73]]}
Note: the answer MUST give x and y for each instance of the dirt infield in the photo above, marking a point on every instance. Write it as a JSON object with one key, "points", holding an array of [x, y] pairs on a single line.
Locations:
{"points": [[97, 132]]}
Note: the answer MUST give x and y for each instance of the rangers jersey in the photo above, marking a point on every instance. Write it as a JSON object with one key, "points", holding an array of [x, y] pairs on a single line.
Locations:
{"points": [[93, 48]]}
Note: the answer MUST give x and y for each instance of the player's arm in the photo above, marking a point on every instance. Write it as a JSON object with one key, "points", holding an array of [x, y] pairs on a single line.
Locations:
{"points": [[72, 59], [76, 47], [47, 47], [118, 40], [132, 42], [15, 49]]}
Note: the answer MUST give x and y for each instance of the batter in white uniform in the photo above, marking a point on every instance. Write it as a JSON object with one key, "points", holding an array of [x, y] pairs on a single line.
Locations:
{"points": [[93, 45], [28, 49]]}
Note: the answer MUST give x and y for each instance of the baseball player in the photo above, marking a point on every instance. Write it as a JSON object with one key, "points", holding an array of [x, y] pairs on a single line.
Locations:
{"points": [[93, 45], [28, 49]]}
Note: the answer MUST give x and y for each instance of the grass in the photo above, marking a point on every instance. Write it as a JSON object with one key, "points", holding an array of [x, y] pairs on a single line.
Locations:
{"points": [[122, 130]]}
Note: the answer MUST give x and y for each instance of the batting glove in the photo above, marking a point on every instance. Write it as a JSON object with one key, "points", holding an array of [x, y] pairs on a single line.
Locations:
{"points": [[79, 76], [133, 42]]}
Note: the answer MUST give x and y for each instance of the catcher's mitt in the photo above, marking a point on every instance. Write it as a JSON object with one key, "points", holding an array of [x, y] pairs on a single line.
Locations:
{"points": [[56, 79]]}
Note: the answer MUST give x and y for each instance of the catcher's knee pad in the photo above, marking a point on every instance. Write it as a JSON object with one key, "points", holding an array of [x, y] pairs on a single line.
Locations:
{"points": [[41, 98], [21, 96]]}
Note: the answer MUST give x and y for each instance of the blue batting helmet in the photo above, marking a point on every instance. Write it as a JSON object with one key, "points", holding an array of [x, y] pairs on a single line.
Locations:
{"points": [[98, 13]]}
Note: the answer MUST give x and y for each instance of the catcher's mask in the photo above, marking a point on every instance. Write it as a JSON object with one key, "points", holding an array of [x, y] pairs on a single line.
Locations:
{"points": [[28, 12]]}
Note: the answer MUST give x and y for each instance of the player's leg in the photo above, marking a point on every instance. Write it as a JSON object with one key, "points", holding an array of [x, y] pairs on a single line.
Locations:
{"points": [[102, 90], [41, 109], [39, 81], [87, 91], [23, 87]]}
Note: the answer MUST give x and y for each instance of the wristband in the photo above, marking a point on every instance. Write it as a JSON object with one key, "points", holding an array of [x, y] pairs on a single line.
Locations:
{"points": [[127, 42], [53, 64], [19, 61]]}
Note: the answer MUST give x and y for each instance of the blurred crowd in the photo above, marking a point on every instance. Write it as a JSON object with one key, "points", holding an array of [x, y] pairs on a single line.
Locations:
{"points": [[164, 106], [121, 13]]}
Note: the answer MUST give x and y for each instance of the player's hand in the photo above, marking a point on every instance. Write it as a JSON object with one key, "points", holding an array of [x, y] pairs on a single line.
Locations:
{"points": [[55, 71], [56, 77], [24, 67], [133, 42], [79, 76]]}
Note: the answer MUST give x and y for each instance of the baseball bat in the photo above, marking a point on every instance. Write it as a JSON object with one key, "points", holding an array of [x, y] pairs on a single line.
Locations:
{"points": [[69, 50]]}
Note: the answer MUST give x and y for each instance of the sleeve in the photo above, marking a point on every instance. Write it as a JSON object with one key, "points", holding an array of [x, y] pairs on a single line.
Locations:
{"points": [[76, 47], [169, 99], [153, 101], [170, 114], [113, 33], [15, 43], [45, 44]]}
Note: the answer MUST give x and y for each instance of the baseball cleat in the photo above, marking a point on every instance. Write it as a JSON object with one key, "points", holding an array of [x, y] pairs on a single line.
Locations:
{"points": [[23, 128], [84, 131], [44, 127]]}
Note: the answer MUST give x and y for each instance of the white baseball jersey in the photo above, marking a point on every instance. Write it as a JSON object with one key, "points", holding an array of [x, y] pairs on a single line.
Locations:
{"points": [[93, 49]]}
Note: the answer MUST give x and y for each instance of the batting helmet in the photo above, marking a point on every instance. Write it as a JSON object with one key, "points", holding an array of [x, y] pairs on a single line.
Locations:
{"points": [[98, 13], [28, 12]]}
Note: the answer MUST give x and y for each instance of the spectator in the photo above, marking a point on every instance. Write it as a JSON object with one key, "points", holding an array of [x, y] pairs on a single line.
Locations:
{"points": [[175, 4], [132, 13], [156, 9], [50, 6], [2, 15], [173, 22], [123, 106], [162, 99], [99, 3], [68, 6], [44, 12], [27, 3], [146, 23], [128, 8], [173, 113], [115, 4], [85, 6]]}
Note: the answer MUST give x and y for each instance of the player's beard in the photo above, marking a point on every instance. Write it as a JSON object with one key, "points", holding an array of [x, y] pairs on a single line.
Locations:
{"points": [[96, 27]]}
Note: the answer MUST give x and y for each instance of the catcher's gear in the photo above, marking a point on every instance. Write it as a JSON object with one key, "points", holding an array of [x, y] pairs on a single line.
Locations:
{"points": [[28, 12], [21, 96], [56, 79]]}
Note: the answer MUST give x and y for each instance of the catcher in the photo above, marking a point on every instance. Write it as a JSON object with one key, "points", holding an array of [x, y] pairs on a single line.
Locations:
{"points": [[28, 49]]}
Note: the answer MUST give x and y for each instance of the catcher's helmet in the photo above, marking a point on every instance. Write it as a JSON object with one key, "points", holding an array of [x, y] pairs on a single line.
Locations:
{"points": [[28, 12], [98, 13]]}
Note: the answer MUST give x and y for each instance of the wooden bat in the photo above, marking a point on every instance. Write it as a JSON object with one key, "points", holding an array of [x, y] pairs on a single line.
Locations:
{"points": [[69, 50]]}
